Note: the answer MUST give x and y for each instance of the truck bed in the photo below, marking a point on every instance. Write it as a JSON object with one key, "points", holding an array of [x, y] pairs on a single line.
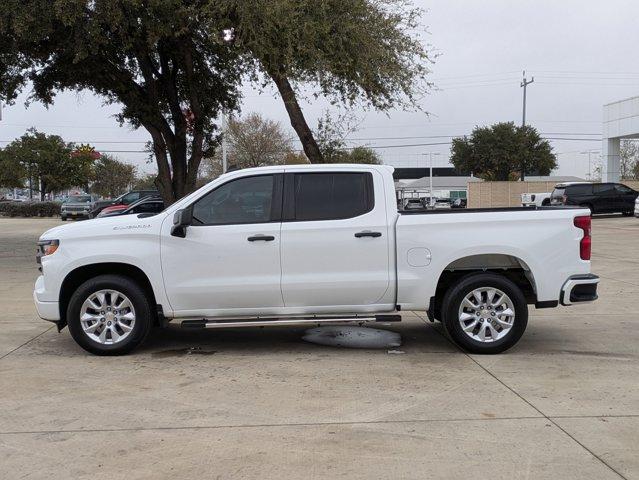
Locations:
{"points": [[484, 210]]}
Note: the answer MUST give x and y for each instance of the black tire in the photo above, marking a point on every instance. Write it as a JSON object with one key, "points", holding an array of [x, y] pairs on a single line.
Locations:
{"points": [[64, 219], [452, 302], [628, 213], [545, 202], [141, 304]]}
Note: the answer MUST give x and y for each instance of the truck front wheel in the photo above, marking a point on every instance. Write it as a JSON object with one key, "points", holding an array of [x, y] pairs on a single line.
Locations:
{"points": [[485, 313], [109, 315]]}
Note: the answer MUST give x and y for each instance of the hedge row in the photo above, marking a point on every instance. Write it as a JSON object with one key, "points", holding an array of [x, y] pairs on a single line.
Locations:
{"points": [[29, 209]]}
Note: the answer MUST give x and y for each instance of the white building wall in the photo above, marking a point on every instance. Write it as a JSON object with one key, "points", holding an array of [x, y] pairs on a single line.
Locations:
{"points": [[620, 120]]}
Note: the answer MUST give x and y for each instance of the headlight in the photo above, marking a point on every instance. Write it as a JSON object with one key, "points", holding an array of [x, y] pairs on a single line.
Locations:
{"points": [[48, 247]]}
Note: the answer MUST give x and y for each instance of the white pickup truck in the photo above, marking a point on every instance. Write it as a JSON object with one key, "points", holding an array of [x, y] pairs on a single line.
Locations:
{"points": [[311, 244]]}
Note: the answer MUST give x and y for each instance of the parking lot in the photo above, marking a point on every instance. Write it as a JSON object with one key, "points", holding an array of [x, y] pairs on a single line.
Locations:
{"points": [[261, 403]]}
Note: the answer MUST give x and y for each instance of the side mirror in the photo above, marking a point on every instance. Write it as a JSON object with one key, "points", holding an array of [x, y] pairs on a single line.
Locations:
{"points": [[181, 220]]}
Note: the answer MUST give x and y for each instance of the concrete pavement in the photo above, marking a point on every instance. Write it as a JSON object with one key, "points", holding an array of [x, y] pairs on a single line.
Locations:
{"points": [[260, 403]]}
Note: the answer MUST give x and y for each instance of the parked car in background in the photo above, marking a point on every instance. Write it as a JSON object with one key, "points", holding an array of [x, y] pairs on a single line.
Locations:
{"points": [[76, 206], [147, 206], [459, 203], [637, 207], [122, 201], [598, 197], [415, 204], [535, 199], [442, 204], [234, 254]]}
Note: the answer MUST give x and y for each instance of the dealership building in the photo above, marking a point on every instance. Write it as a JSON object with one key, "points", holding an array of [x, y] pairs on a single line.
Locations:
{"points": [[620, 121]]}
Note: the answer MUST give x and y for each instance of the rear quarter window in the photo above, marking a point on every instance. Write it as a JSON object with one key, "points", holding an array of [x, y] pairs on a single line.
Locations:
{"points": [[332, 196]]}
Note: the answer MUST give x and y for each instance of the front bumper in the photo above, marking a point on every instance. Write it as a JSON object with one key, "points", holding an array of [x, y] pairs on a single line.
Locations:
{"points": [[75, 214], [579, 288], [46, 310]]}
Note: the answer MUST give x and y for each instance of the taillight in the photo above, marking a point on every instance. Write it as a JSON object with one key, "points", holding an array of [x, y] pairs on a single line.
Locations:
{"points": [[585, 245]]}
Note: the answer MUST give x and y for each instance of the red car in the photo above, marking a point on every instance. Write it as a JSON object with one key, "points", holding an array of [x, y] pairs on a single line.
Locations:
{"points": [[112, 209], [120, 203]]}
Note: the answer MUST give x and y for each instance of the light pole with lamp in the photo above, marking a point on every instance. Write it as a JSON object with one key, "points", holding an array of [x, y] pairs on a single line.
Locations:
{"points": [[430, 192]]}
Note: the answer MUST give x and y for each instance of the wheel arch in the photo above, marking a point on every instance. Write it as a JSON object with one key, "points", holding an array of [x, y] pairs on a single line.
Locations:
{"points": [[81, 274], [509, 266]]}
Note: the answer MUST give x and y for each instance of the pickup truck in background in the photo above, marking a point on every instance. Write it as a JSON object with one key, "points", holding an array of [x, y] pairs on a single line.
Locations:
{"points": [[535, 199], [311, 244]]}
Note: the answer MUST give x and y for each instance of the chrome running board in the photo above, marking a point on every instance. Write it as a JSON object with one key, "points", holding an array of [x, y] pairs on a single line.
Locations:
{"points": [[276, 321]]}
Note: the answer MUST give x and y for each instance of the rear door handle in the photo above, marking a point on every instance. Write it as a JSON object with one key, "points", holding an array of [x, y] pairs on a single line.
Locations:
{"points": [[261, 238], [368, 233]]}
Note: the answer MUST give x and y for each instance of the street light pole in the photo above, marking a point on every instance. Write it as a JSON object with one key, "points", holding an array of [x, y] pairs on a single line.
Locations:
{"points": [[430, 177], [430, 187]]}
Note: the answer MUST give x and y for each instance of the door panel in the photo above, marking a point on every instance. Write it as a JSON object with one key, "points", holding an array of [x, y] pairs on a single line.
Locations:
{"points": [[217, 267], [606, 198], [230, 257], [331, 262]]}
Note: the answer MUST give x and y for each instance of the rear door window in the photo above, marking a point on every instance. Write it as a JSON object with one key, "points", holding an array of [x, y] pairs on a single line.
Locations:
{"points": [[580, 189], [604, 189], [329, 196]]}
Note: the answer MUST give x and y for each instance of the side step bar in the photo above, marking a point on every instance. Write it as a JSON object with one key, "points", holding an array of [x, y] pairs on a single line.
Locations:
{"points": [[275, 321]]}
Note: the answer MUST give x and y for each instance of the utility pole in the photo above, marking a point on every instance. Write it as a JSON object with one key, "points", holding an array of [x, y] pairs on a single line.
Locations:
{"points": [[524, 84]]}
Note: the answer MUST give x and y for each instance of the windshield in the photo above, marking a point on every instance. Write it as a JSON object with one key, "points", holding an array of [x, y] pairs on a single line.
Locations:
{"points": [[79, 199], [558, 192]]}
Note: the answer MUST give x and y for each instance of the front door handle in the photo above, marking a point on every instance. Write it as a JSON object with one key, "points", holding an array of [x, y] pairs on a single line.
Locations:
{"points": [[261, 238], [368, 233]]}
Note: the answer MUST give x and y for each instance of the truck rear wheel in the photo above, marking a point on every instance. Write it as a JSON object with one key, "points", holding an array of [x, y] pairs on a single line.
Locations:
{"points": [[485, 313], [109, 315]]}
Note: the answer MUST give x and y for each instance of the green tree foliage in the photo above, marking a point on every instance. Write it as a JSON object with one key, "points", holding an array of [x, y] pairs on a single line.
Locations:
{"points": [[48, 163], [363, 155], [174, 65], [112, 177], [12, 171], [351, 51], [165, 62], [498, 152]]}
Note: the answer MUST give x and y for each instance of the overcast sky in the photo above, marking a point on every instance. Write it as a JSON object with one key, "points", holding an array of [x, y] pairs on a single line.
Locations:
{"points": [[582, 54]]}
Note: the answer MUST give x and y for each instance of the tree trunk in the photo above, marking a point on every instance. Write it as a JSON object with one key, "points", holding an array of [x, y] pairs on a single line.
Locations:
{"points": [[298, 122]]}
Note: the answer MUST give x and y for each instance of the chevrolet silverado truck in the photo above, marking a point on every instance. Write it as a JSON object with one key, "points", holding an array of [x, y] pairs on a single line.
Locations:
{"points": [[311, 244]]}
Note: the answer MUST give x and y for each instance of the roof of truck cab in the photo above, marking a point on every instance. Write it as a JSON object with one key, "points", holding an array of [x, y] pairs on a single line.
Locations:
{"points": [[316, 167]]}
